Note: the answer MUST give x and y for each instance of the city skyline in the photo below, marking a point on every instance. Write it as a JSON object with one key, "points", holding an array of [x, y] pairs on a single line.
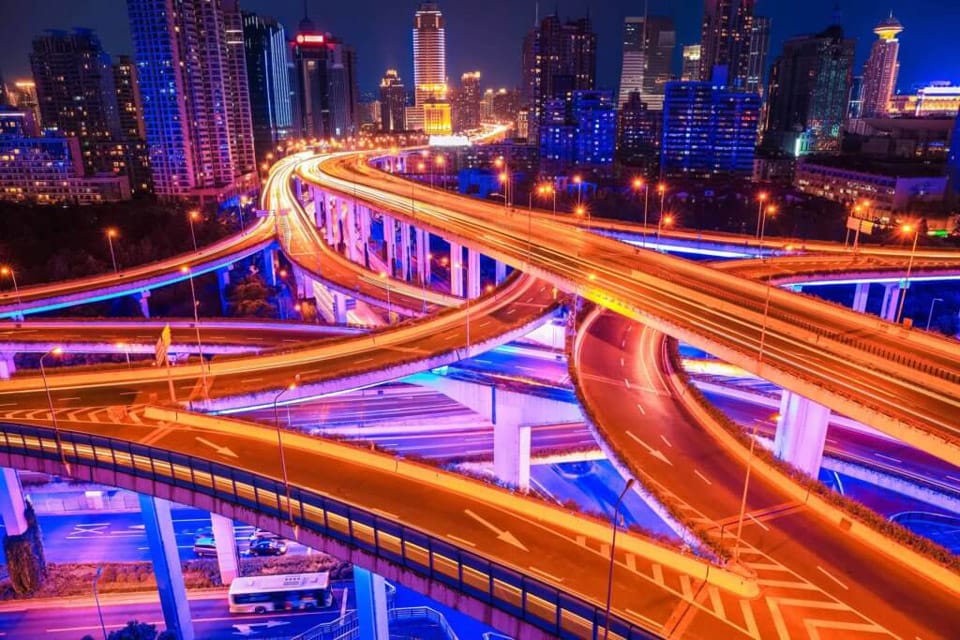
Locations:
{"points": [[385, 43]]}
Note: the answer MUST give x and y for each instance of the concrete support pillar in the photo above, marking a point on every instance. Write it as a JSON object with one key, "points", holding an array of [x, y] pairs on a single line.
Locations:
{"points": [[339, 307], [227, 558], [801, 432], [319, 206], [501, 272], [350, 232], [891, 298], [166, 566], [456, 269], [12, 505], [270, 266], [511, 453], [144, 299], [298, 189], [223, 283], [371, 604], [473, 273], [405, 251], [860, 295], [365, 234], [390, 241], [423, 256], [7, 366]]}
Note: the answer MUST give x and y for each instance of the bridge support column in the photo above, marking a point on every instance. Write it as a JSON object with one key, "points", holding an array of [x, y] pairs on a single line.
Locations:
{"points": [[423, 256], [223, 283], [319, 206], [166, 566], [144, 299], [501, 272], [456, 269], [270, 266], [350, 226], [473, 273], [390, 241], [12, 505], [511, 453], [860, 296], [365, 234], [405, 250], [801, 432], [7, 366], [226, 539], [891, 298], [339, 307], [371, 604]]}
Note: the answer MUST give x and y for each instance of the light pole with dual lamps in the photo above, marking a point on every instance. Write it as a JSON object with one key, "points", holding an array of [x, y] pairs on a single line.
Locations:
{"points": [[761, 198], [55, 352], [283, 460], [111, 234], [915, 230], [613, 546]]}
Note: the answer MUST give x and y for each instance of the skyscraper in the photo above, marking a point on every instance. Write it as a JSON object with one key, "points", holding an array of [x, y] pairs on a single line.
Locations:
{"points": [[637, 130], [566, 59], [268, 76], [708, 130], [880, 72], [393, 102], [326, 84], [429, 54], [648, 44], [132, 130], [953, 158], [691, 63], [466, 104], [193, 81], [759, 49], [74, 82], [725, 41], [809, 92]]}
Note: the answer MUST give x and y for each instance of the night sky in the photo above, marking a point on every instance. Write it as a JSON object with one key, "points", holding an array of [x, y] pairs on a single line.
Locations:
{"points": [[487, 34]]}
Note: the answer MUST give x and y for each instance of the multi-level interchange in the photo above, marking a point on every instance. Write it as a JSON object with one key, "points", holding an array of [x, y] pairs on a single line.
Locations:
{"points": [[787, 562]]}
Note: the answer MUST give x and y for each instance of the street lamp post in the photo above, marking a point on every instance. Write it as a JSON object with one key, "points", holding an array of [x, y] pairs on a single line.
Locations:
{"points": [[638, 184], [383, 274], [8, 271], [761, 198], [743, 499], [930, 314], [581, 211], [577, 180], [243, 202], [56, 351], [771, 210], [96, 599], [196, 326], [193, 215], [123, 346], [661, 221], [907, 228], [283, 460], [111, 234], [613, 546]]}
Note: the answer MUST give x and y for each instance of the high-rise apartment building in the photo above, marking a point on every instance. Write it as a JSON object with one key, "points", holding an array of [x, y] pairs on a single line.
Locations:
{"points": [[690, 71], [429, 54], [648, 44], [76, 94], [880, 72], [759, 50], [809, 92], [953, 158], [638, 130], [466, 102], [566, 60], [725, 40], [326, 84], [579, 129], [268, 76], [393, 102], [132, 130], [193, 80], [708, 130]]}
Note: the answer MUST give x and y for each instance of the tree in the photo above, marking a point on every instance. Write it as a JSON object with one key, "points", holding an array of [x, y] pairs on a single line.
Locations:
{"points": [[250, 298], [135, 631]]}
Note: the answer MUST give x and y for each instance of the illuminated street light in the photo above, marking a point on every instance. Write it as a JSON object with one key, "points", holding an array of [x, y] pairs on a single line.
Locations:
{"points": [[613, 546], [915, 230], [664, 220], [930, 314], [123, 346], [192, 216], [283, 460], [761, 198], [96, 599], [746, 486], [111, 234], [55, 352], [636, 185], [196, 325], [8, 271], [771, 210], [583, 211], [577, 180]]}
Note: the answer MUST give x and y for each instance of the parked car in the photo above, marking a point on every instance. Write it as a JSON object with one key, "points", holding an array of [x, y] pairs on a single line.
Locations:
{"points": [[263, 534], [268, 547], [204, 547]]}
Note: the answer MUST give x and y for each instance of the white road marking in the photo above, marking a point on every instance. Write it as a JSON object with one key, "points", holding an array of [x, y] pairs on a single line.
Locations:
{"points": [[461, 540], [832, 577], [642, 410], [705, 479], [665, 441], [548, 575], [626, 383], [890, 458]]}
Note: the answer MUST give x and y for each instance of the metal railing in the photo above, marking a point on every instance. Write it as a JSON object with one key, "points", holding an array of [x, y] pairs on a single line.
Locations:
{"points": [[536, 603]]}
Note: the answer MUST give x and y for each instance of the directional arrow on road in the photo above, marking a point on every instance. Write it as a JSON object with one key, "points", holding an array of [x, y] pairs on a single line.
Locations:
{"points": [[502, 534], [248, 629], [656, 453], [223, 451]]}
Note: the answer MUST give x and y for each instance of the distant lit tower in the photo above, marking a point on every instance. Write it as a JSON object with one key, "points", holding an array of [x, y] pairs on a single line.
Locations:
{"points": [[880, 72], [648, 44], [759, 49], [690, 70], [132, 129], [953, 158], [429, 54], [193, 80], [725, 40], [74, 82], [466, 107], [566, 60], [393, 102], [268, 76]]}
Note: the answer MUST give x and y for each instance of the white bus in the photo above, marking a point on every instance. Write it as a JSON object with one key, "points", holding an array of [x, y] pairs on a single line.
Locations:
{"points": [[290, 592]]}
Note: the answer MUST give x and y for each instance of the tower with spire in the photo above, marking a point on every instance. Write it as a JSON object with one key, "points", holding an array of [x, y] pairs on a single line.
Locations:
{"points": [[882, 68]]}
